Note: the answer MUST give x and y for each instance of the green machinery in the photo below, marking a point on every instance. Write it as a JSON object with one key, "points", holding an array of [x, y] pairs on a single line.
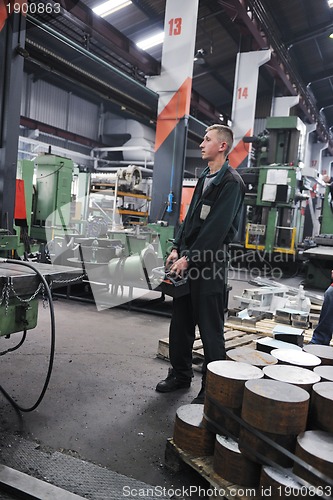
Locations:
{"points": [[47, 204], [326, 218], [320, 256], [19, 241], [17, 316], [274, 219], [51, 207]]}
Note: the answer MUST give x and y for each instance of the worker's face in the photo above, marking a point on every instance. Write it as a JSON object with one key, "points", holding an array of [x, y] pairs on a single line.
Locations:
{"points": [[211, 146]]}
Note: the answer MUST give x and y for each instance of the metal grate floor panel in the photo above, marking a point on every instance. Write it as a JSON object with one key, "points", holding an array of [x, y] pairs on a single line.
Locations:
{"points": [[70, 473]]}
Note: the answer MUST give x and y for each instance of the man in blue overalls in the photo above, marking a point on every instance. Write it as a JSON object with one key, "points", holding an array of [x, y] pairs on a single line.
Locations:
{"points": [[200, 250]]}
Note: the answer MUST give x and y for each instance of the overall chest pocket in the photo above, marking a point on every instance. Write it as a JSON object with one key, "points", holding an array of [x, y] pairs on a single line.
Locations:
{"points": [[205, 208]]}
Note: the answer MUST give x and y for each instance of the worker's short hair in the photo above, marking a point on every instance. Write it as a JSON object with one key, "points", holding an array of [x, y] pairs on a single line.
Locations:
{"points": [[225, 134]]}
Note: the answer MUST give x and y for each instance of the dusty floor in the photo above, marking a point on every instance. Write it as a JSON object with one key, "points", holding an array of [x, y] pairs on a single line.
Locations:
{"points": [[101, 404]]}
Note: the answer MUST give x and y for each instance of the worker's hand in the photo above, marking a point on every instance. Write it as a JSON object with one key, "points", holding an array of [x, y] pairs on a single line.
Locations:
{"points": [[179, 267], [173, 256]]}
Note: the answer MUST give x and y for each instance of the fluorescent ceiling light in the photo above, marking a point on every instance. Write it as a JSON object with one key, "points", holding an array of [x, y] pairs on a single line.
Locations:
{"points": [[151, 41], [106, 8], [330, 3]]}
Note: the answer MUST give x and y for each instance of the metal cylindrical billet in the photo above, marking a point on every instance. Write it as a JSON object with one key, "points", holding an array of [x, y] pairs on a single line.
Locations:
{"points": [[279, 411], [225, 422], [256, 449], [270, 405], [315, 447], [296, 358], [325, 372], [301, 377], [279, 485], [190, 433], [251, 356], [226, 379], [321, 406], [232, 465], [323, 352]]}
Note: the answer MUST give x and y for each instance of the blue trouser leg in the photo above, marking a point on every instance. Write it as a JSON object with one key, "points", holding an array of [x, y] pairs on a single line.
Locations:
{"points": [[323, 332]]}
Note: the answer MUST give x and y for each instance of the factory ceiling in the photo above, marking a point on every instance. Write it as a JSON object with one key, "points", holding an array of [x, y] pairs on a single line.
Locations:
{"points": [[99, 56]]}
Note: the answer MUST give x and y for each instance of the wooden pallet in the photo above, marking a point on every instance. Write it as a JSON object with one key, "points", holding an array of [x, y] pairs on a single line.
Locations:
{"points": [[265, 328], [234, 337], [237, 333], [218, 488]]}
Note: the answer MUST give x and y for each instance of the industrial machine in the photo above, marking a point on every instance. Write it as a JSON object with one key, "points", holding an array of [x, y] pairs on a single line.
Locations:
{"points": [[326, 218], [105, 232], [51, 204], [39, 206], [274, 221], [274, 218], [319, 253]]}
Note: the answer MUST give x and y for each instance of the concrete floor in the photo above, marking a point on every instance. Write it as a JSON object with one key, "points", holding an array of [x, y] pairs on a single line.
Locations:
{"points": [[101, 404]]}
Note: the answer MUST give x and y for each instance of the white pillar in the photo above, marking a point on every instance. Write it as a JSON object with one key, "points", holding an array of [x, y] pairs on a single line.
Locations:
{"points": [[244, 102], [281, 105], [316, 156], [307, 169], [174, 86]]}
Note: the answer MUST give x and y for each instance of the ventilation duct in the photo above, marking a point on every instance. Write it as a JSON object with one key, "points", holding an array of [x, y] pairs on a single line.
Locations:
{"points": [[142, 138]]}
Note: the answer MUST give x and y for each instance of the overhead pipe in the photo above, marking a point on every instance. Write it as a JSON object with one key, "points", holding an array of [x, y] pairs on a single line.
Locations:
{"points": [[86, 53]]}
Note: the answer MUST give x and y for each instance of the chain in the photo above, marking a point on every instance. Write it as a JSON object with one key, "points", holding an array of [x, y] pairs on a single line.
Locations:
{"points": [[9, 287], [72, 280], [7, 297], [3, 293], [33, 296]]}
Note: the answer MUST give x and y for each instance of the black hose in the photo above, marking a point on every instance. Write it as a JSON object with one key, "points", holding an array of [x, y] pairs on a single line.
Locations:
{"points": [[11, 349], [49, 371]]}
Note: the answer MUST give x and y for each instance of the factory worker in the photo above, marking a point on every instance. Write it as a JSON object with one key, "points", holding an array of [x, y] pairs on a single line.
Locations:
{"points": [[201, 250]]}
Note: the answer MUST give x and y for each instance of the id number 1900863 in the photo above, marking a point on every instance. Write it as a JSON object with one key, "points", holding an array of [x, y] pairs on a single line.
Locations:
{"points": [[33, 8]]}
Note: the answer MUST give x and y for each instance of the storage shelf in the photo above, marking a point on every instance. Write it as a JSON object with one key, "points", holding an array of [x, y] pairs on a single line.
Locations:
{"points": [[100, 188], [129, 194], [132, 212]]}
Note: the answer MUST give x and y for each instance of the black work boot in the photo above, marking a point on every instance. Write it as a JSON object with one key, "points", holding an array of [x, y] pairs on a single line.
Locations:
{"points": [[172, 383]]}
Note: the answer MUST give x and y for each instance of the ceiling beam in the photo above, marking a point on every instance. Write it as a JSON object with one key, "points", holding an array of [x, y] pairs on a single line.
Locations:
{"points": [[118, 44], [58, 132], [114, 39], [148, 11], [305, 36], [253, 18]]}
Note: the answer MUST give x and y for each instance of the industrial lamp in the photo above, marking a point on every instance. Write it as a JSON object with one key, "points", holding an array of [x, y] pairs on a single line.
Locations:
{"points": [[110, 6]]}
